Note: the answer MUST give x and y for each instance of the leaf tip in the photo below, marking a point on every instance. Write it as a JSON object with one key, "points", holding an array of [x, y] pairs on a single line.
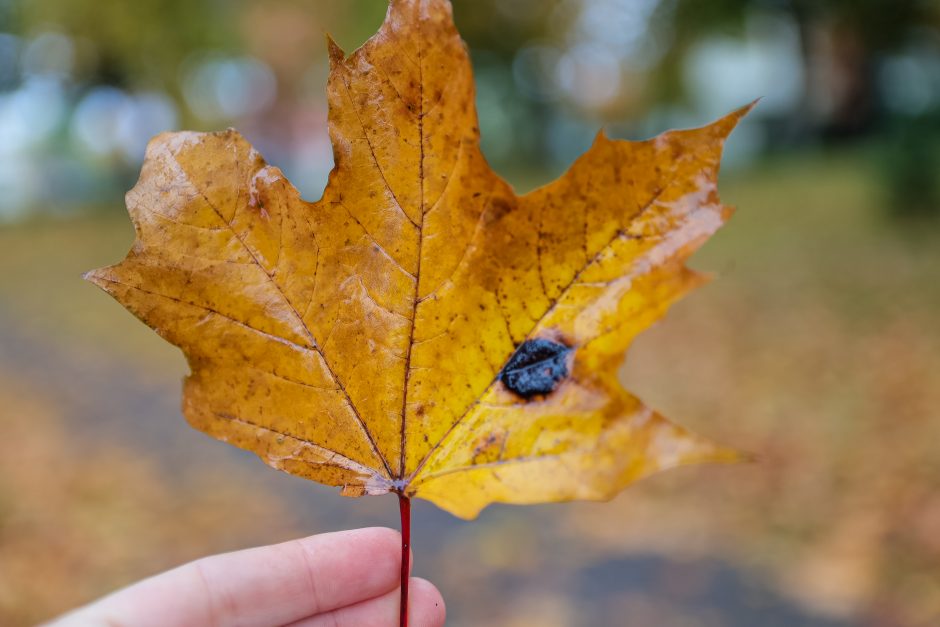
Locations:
{"points": [[741, 112], [336, 53], [92, 276], [734, 456], [699, 278]]}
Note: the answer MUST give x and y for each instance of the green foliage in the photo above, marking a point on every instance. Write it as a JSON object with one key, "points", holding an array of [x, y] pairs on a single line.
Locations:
{"points": [[881, 23], [140, 43], [910, 168]]}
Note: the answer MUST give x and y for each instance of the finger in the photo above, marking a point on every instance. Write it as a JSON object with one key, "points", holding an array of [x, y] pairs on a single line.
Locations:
{"points": [[273, 585], [425, 609]]}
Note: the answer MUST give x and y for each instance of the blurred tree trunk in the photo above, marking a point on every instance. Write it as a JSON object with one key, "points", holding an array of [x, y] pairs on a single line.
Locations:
{"points": [[841, 98]]}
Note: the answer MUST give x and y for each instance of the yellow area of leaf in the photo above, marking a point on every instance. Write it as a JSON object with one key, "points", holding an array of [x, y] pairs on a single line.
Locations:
{"points": [[359, 340]]}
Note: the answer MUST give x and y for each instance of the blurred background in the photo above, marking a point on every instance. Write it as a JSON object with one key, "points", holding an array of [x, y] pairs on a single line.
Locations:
{"points": [[818, 348]]}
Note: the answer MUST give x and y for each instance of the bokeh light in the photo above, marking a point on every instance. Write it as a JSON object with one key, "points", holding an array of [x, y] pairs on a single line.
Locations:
{"points": [[224, 89]]}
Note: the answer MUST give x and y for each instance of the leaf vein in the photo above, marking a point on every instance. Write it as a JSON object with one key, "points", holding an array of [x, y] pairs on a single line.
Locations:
{"points": [[551, 308], [375, 158]]}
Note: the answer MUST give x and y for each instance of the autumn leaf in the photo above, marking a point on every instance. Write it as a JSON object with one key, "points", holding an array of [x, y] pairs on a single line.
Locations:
{"points": [[422, 329]]}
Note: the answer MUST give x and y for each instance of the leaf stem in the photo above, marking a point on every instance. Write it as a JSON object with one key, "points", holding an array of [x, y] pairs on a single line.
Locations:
{"points": [[404, 508]]}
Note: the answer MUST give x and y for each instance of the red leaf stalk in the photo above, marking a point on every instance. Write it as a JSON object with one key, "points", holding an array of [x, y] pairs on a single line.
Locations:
{"points": [[404, 507]]}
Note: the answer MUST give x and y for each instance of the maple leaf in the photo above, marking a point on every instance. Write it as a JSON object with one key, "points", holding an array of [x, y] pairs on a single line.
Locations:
{"points": [[422, 329]]}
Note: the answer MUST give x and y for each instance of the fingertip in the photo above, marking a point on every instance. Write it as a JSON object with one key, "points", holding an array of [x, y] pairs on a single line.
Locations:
{"points": [[427, 607]]}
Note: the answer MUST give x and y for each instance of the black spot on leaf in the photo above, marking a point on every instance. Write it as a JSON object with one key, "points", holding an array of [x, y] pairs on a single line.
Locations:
{"points": [[536, 368]]}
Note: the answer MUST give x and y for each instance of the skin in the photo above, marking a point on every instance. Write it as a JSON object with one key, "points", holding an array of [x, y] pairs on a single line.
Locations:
{"points": [[349, 578]]}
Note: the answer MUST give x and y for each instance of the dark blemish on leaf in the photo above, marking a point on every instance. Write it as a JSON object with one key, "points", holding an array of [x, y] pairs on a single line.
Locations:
{"points": [[500, 207], [536, 368]]}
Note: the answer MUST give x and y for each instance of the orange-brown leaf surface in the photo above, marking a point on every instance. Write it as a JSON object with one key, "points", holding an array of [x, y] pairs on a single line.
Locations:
{"points": [[421, 328]]}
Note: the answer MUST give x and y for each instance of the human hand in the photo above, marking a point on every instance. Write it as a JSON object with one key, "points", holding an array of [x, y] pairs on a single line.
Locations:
{"points": [[344, 579]]}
